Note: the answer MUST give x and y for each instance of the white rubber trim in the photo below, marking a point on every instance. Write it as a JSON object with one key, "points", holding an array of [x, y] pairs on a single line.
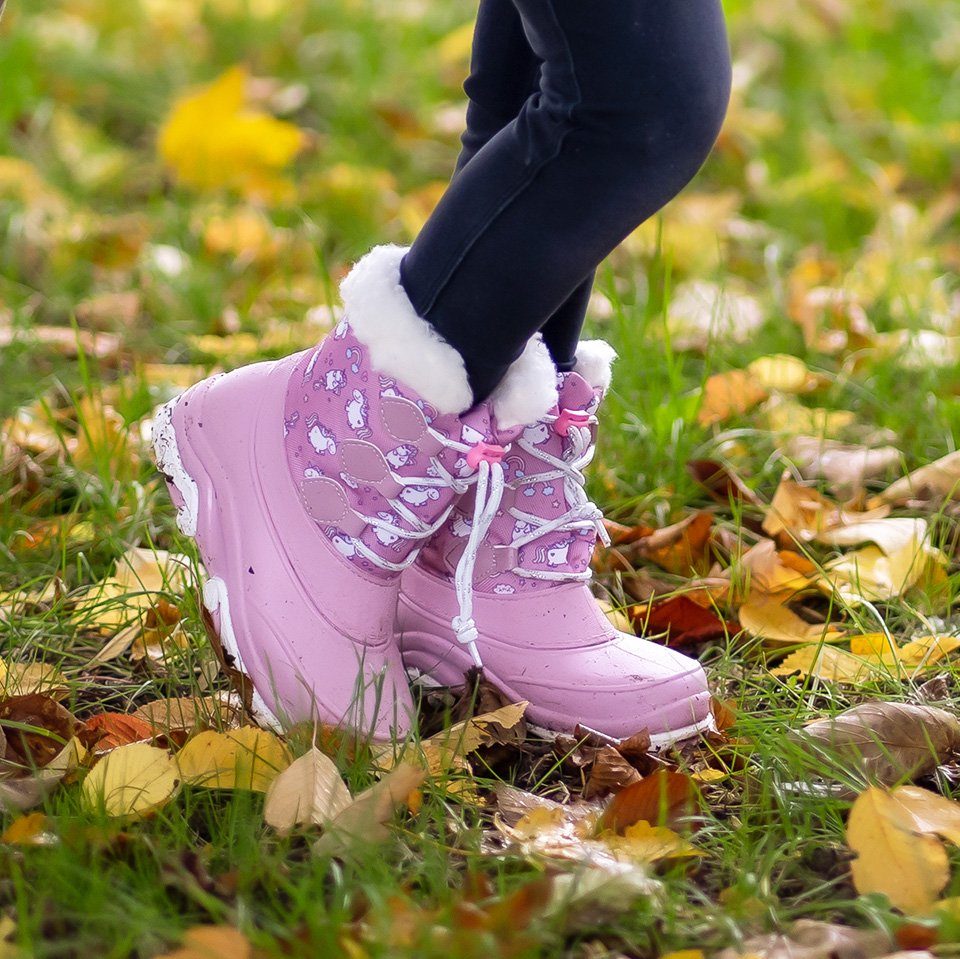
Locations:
{"points": [[215, 598], [164, 438], [657, 740]]}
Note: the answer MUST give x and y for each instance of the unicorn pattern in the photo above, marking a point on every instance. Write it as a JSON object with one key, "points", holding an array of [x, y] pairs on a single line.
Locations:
{"points": [[357, 412], [335, 381], [556, 555], [419, 495], [321, 438], [400, 456]]}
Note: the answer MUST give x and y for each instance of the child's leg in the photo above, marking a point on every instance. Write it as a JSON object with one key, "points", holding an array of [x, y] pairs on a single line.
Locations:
{"points": [[631, 99], [504, 73]]}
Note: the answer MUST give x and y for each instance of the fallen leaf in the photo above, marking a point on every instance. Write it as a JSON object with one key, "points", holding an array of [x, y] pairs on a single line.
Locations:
{"points": [[929, 813], [799, 513], [845, 466], [131, 781], [610, 772], [662, 797], [892, 859], [212, 139], [783, 373], [685, 622], [245, 758], [771, 619], [187, 713], [366, 817], [212, 942], [29, 830], [22, 792], [938, 479], [809, 939], [310, 790], [107, 731], [884, 742], [36, 729], [729, 394], [682, 548], [721, 482]]}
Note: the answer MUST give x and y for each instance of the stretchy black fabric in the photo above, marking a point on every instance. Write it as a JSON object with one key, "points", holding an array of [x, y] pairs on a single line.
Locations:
{"points": [[585, 118]]}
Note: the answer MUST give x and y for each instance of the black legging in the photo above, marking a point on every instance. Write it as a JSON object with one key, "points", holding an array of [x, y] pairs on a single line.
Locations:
{"points": [[585, 118]]}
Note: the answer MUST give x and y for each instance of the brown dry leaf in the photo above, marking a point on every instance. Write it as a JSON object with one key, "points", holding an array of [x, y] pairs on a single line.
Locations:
{"points": [[107, 731], [468, 736], [685, 622], [892, 859], [65, 341], [245, 758], [366, 817], [774, 571], [132, 781], [187, 713], [36, 728], [770, 618], [683, 548], [809, 939], [110, 310], [610, 772], [663, 797], [721, 482], [884, 742], [729, 394], [800, 513], [212, 942], [936, 480], [310, 790], [22, 792]]}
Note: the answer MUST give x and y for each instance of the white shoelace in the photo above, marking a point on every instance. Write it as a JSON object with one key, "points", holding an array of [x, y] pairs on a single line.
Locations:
{"points": [[582, 514], [421, 530]]}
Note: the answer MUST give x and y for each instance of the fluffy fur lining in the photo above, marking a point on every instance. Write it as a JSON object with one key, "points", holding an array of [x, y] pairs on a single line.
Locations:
{"points": [[529, 389], [402, 344], [594, 361]]}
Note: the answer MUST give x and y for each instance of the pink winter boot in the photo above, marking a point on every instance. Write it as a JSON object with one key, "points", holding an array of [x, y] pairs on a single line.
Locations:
{"points": [[526, 614], [309, 483]]}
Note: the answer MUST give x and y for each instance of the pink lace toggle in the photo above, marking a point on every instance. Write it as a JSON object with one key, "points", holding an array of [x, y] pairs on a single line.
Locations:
{"points": [[484, 453], [568, 418]]}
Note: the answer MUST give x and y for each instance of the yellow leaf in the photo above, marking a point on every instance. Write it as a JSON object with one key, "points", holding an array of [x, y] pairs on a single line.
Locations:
{"points": [[830, 663], [782, 372], [245, 758], [892, 859], [132, 781], [769, 618], [617, 616], [645, 843], [29, 830], [212, 140], [245, 234], [309, 790], [930, 813], [454, 49]]}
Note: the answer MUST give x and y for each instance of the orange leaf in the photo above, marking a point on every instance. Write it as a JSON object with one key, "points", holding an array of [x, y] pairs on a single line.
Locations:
{"points": [[660, 798]]}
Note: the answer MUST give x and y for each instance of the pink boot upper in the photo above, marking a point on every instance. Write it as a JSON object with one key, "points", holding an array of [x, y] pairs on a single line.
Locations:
{"points": [[538, 631]]}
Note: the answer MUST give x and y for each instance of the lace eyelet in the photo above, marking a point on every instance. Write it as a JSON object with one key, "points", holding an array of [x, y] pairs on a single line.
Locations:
{"points": [[484, 453]]}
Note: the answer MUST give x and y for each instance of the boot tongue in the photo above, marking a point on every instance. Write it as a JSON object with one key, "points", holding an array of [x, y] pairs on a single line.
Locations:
{"points": [[577, 394]]}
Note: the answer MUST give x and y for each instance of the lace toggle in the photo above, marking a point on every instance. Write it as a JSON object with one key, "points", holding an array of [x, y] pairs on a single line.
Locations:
{"points": [[484, 453], [571, 418]]}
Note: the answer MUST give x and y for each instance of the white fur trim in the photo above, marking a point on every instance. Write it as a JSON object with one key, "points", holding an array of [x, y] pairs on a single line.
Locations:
{"points": [[594, 361], [529, 389], [401, 343]]}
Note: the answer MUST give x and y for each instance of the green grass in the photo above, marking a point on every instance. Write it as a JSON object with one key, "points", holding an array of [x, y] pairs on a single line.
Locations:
{"points": [[838, 147]]}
